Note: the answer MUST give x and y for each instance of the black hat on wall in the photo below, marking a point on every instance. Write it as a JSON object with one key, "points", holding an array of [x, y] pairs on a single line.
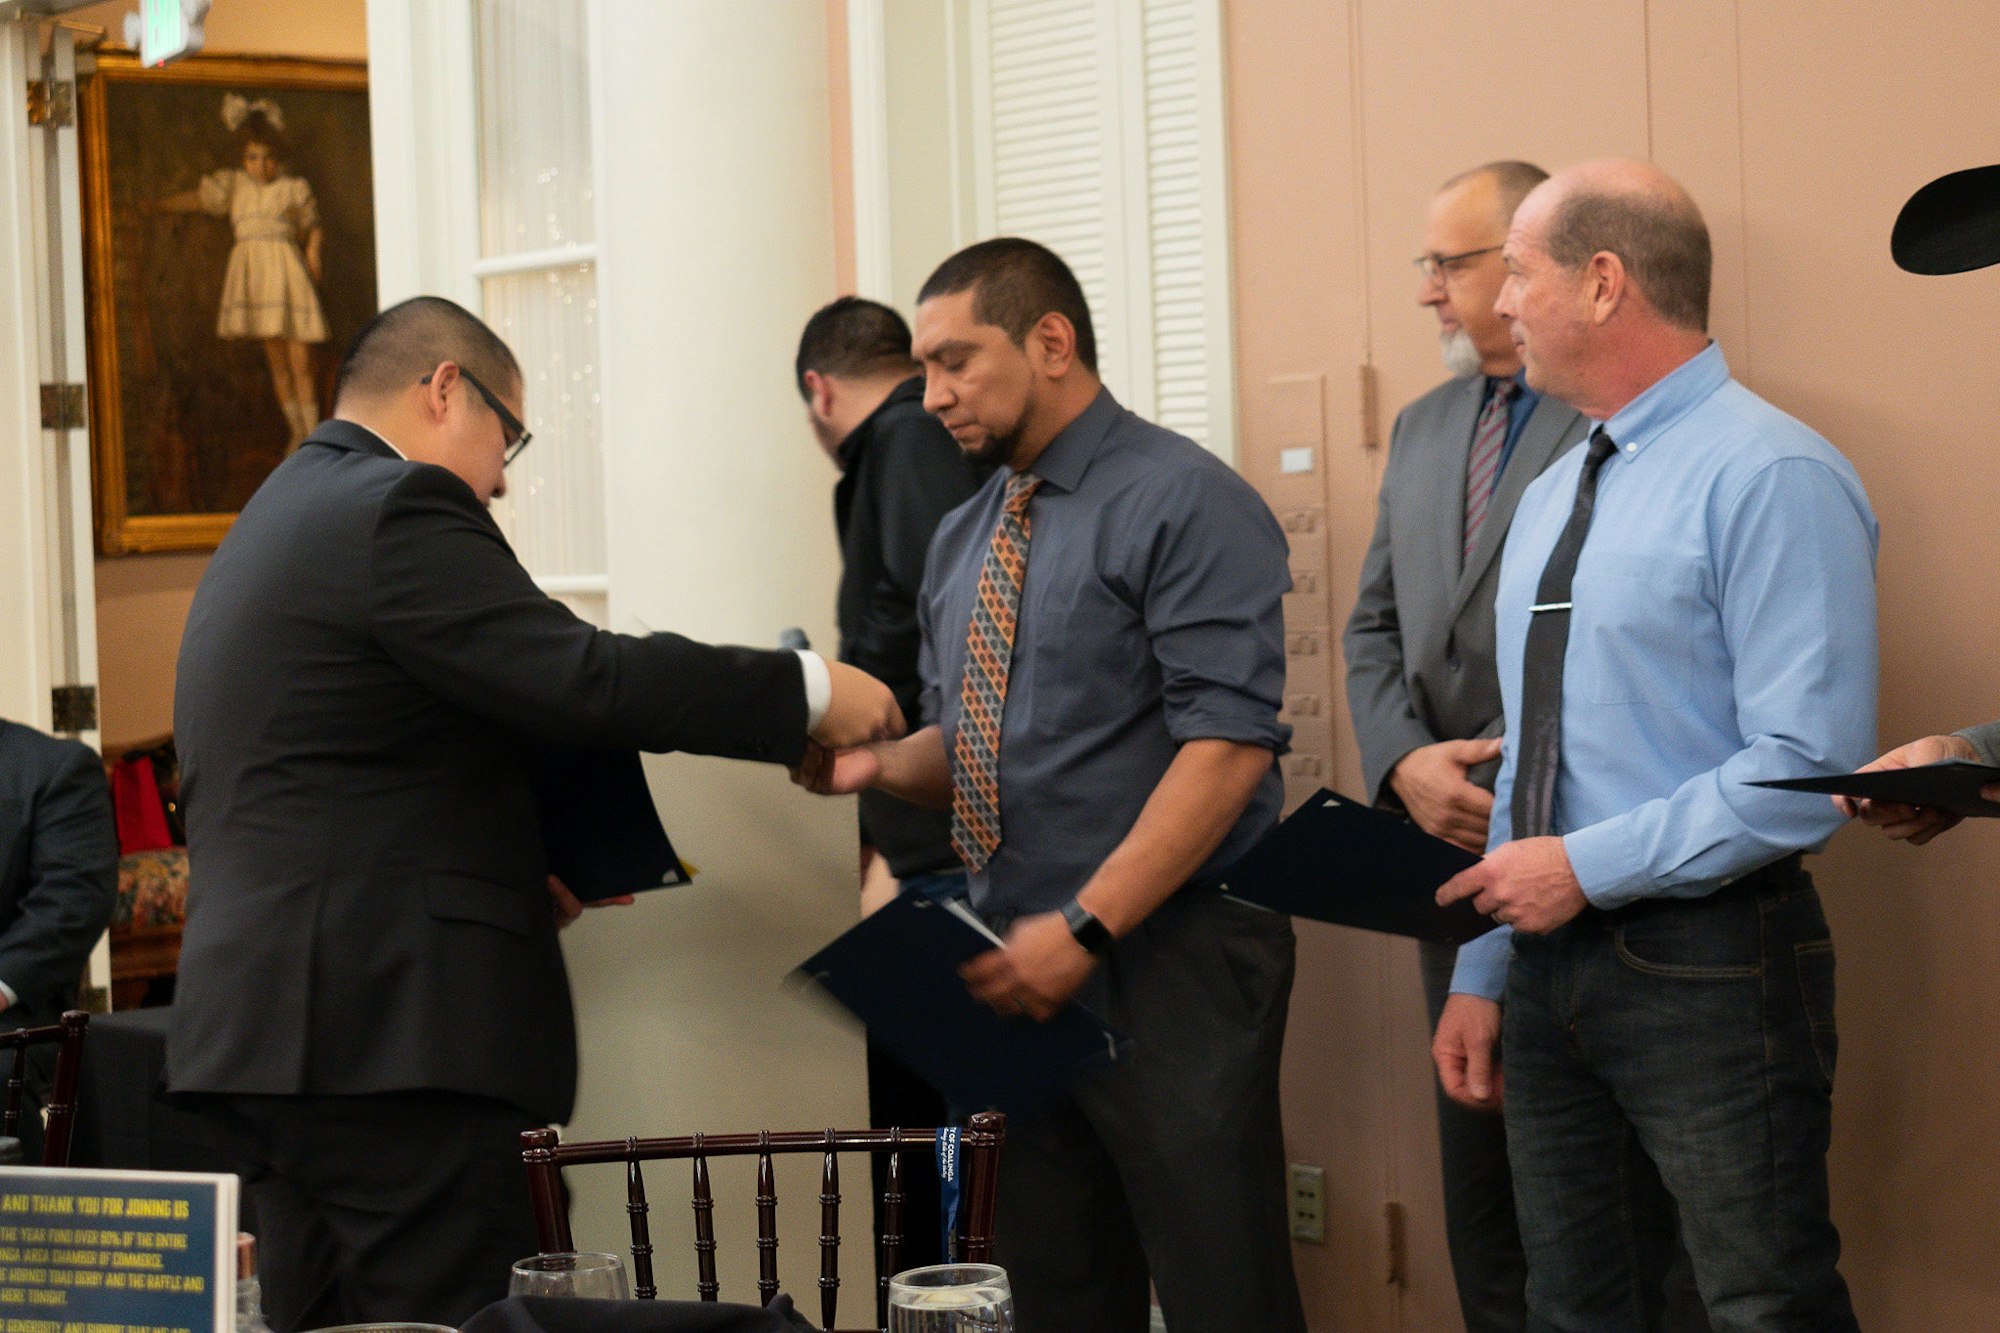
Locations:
{"points": [[1951, 225]]}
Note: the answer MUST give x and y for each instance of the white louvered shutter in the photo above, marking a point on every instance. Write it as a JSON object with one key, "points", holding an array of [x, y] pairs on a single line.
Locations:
{"points": [[1095, 133]]}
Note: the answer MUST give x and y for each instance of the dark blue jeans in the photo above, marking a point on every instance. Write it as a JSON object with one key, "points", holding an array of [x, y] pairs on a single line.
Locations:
{"points": [[1677, 1053]]}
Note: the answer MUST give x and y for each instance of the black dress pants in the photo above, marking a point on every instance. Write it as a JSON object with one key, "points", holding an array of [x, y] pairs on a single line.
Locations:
{"points": [[408, 1206], [1169, 1165]]}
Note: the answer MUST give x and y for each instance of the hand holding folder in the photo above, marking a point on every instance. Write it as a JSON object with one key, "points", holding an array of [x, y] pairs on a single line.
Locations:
{"points": [[600, 828], [1339, 861], [1951, 786], [897, 971]]}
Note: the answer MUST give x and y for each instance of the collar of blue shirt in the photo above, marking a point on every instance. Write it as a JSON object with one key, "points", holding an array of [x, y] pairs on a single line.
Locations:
{"points": [[1068, 456], [1670, 398]]}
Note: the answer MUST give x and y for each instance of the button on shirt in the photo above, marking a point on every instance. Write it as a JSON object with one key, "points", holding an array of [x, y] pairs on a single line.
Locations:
{"points": [[1723, 632], [1150, 616]]}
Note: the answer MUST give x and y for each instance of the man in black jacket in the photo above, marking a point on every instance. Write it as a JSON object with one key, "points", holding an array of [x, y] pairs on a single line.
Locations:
{"points": [[371, 995], [900, 472], [58, 881]]}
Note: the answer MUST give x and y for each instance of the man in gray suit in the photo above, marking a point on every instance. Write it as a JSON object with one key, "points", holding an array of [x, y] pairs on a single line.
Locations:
{"points": [[1420, 673], [1952, 225]]}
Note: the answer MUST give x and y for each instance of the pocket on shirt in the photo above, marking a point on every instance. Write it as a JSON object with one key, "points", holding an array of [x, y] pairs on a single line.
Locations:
{"points": [[1089, 662], [1635, 615]]}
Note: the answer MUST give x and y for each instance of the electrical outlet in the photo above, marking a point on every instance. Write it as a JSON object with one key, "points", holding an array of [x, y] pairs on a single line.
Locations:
{"points": [[1308, 1203]]}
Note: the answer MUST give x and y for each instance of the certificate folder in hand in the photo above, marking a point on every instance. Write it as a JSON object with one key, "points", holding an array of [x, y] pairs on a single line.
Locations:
{"points": [[1952, 785], [600, 827], [1337, 860], [897, 971]]}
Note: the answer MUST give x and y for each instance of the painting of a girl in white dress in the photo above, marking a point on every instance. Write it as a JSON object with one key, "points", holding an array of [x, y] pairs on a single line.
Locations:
{"points": [[269, 291], [229, 260]]}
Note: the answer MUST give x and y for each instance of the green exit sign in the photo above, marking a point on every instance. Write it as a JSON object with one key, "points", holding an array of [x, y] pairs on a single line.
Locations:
{"points": [[169, 29]]}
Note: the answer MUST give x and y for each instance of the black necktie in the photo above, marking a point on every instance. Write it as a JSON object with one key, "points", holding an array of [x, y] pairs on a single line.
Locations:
{"points": [[1540, 726]]}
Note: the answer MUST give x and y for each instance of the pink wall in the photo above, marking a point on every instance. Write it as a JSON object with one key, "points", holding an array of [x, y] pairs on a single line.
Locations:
{"points": [[1800, 128]]}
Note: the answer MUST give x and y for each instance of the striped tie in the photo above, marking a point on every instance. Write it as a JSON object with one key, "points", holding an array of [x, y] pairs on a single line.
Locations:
{"points": [[982, 694], [1482, 465]]}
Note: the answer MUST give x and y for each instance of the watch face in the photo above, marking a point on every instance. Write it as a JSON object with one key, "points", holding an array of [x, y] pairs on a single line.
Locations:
{"points": [[1084, 928]]}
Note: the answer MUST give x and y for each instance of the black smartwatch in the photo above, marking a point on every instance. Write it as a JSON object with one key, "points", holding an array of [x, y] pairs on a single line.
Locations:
{"points": [[1086, 929]]}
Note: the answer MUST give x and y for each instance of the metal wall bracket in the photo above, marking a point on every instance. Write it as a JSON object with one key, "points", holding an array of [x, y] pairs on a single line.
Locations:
{"points": [[51, 103], [62, 407], [75, 708]]}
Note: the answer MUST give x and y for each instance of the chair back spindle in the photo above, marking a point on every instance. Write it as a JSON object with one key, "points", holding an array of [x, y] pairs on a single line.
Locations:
{"points": [[829, 1232], [642, 1236], [706, 1285], [891, 1260], [767, 1222]]}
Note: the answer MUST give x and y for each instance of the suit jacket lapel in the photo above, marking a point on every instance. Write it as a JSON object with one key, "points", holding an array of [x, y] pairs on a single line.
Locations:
{"points": [[1553, 425], [1461, 414]]}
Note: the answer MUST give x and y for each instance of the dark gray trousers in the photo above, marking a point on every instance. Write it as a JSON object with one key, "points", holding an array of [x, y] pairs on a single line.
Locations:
{"points": [[1169, 1166], [1479, 1225]]}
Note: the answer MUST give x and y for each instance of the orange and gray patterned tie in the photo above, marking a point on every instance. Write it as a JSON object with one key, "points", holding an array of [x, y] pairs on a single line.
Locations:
{"points": [[982, 693]]}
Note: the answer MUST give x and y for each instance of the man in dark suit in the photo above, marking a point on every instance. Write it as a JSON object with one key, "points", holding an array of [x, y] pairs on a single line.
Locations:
{"points": [[1421, 682], [58, 882], [371, 996], [900, 473]]}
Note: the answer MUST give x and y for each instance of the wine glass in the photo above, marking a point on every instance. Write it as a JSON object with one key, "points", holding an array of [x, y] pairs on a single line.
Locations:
{"points": [[570, 1273], [951, 1298]]}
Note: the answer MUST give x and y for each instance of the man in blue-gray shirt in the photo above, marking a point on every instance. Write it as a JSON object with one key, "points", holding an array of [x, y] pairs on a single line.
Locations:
{"points": [[1686, 606], [1103, 662]]}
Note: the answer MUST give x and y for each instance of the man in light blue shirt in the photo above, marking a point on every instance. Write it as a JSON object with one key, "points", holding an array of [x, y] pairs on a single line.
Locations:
{"points": [[1669, 1034]]}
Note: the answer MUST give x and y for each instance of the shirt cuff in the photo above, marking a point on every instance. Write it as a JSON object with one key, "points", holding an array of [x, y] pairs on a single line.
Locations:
{"points": [[819, 686], [1603, 861], [8, 991], [1482, 964]]}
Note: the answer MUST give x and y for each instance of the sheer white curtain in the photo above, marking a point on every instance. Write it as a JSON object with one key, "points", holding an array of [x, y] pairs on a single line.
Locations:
{"points": [[537, 270]]}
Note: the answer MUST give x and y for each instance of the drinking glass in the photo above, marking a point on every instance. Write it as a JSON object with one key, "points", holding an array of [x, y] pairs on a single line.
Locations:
{"points": [[951, 1298], [572, 1273]]}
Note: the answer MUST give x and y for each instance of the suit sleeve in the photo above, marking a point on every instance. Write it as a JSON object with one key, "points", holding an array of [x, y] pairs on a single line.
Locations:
{"points": [[454, 608], [72, 881], [1986, 740], [1385, 720]]}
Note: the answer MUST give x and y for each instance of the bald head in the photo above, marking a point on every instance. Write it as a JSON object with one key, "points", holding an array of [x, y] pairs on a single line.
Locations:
{"points": [[1639, 213], [1499, 185]]}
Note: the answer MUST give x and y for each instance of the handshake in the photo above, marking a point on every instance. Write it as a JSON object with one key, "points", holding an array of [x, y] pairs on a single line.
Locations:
{"points": [[860, 710]]}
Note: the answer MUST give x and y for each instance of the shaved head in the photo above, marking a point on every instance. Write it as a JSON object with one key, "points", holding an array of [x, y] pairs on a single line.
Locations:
{"points": [[407, 341]]}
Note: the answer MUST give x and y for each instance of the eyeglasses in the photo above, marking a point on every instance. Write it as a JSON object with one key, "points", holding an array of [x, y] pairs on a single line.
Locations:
{"points": [[512, 431], [1439, 268]]}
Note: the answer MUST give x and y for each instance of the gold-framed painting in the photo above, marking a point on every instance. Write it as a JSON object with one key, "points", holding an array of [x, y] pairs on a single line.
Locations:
{"points": [[229, 260]]}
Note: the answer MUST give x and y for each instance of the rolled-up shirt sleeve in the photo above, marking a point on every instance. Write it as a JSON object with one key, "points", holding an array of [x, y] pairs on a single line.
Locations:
{"points": [[1214, 609]]}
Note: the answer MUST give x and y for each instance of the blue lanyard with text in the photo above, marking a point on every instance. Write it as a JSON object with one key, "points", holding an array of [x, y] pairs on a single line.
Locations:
{"points": [[947, 1168]]}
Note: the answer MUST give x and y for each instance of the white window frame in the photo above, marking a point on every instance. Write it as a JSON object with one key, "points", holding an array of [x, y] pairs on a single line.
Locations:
{"points": [[423, 112]]}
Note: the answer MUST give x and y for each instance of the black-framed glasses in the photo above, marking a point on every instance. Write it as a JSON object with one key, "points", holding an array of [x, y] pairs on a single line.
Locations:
{"points": [[512, 431], [1439, 268]]}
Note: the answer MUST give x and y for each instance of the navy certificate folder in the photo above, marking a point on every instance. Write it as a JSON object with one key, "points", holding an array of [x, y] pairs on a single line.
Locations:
{"points": [[1340, 861], [599, 825], [897, 971], [1952, 785]]}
